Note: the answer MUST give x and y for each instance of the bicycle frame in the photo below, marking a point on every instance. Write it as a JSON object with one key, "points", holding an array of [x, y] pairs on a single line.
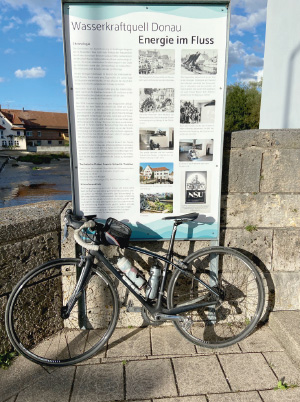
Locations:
{"points": [[157, 306], [152, 307]]}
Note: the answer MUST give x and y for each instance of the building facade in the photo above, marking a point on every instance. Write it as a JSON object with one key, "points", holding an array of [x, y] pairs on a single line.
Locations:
{"points": [[12, 132], [26, 129]]}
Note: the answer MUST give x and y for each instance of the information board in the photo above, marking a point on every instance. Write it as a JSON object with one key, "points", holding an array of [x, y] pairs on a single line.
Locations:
{"points": [[146, 87]]}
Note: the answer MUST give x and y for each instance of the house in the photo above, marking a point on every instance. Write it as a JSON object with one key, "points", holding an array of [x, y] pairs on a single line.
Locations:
{"points": [[12, 132], [37, 129], [160, 173]]}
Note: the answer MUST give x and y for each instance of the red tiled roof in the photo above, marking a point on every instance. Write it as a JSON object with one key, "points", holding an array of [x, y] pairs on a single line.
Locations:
{"points": [[35, 119], [2, 128], [160, 168], [17, 128]]}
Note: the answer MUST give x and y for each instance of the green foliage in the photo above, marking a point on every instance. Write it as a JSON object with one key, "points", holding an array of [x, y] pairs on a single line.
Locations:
{"points": [[283, 385], [243, 106], [251, 228], [169, 207], [6, 359], [38, 159]]}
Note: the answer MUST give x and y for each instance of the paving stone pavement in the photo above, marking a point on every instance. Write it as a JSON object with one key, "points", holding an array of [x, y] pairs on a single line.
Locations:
{"points": [[158, 365]]}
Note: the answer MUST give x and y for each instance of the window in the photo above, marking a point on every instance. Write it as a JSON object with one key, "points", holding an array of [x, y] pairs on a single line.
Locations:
{"points": [[49, 142], [17, 143], [60, 142], [59, 134], [39, 142], [18, 133], [2, 134], [4, 143], [10, 143], [39, 134], [28, 133]]}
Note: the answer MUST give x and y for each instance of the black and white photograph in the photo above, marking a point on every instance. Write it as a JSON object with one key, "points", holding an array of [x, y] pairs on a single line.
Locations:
{"points": [[195, 187], [156, 202], [156, 139], [201, 62], [195, 112], [156, 173], [156, 62], [156, 100], [196, 150]]}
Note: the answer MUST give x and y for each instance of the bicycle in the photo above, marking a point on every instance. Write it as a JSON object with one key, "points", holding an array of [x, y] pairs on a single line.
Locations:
{"points": [[65, 310]]}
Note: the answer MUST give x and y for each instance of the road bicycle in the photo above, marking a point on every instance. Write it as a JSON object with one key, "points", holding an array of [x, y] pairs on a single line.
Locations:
{"points": [[65, 310]]}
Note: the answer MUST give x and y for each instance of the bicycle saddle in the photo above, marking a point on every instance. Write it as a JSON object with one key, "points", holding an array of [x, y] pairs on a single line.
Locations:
{"points": [[187, 217]]}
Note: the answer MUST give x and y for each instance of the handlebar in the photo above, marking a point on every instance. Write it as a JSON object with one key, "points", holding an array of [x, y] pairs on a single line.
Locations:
{"points": [[76, 223], [80, 241]]}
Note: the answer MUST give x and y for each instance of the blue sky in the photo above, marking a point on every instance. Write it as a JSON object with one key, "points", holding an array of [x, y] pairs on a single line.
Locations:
{"points": [[32, 62]]}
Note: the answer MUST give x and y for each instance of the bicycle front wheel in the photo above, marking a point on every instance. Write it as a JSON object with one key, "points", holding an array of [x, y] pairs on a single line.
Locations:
{"points": [[236, 279], [34, 310]]}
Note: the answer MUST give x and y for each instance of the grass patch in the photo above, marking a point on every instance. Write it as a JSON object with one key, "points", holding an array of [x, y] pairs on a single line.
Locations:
{"points": [[6, 359], [251, 228], [283, 385], [38, 159]]}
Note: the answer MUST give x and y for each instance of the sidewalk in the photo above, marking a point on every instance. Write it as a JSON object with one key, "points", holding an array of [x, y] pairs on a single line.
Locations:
{"points": [[159, 365]]}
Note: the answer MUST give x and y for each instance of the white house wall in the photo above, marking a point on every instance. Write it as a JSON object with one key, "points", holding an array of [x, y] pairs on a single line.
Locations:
{"points": [[8, 131], [280, 102]]}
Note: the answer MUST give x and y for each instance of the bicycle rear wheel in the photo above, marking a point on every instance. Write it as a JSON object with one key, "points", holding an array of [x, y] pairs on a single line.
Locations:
{"points": [[236, 278], [34, 320]]}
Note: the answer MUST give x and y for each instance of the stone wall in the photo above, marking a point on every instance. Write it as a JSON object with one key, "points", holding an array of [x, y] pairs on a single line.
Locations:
{"points": [[29, 236], [260, 207], [260, 215]]}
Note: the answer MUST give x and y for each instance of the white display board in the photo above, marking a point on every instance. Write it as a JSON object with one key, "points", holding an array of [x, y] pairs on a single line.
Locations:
{"points": [[146, 86]]}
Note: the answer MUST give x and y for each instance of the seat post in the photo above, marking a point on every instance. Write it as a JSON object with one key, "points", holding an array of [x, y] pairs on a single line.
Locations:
{"points": [[172, 239]]}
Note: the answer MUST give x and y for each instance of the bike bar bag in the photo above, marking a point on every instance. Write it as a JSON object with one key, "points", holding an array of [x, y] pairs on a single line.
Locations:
{"points": [[116, 233]]}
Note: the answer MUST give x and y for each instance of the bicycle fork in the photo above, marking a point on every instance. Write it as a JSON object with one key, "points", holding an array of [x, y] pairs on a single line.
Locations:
{"points": [[79, 290]]}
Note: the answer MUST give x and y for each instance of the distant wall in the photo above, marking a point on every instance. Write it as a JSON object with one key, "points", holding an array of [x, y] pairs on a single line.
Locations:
{"points": [[49, 149]]}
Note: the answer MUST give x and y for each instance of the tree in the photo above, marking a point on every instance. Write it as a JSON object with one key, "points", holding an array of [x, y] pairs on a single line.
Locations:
{"points": [[243, 106]]}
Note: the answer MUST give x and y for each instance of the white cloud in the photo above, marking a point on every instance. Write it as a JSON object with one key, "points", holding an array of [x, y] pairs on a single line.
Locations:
{"points": [[8, 27], [46, 15], [2, 79], [34, 72], [252, 65], [248, 75], [9, 51], [236, 52], [12, 24], [63, 83], [49, 25], [238, 55], [241, 23], [251, 60], [249, 6], [29, 37]]}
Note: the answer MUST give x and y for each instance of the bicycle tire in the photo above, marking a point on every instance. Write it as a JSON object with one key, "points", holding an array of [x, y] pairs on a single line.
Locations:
{"points": [[229, 321], [33, 314]]}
